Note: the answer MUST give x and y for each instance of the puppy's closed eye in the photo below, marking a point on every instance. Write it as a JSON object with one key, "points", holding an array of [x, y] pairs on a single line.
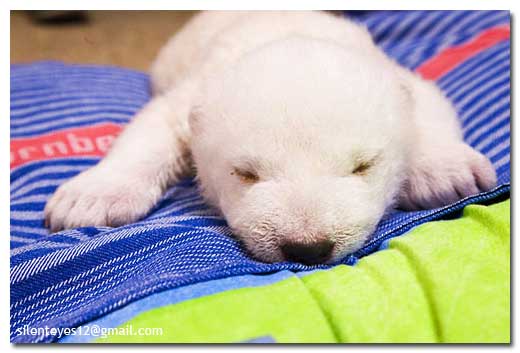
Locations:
{"points": [[362, 168], [245, 176]]}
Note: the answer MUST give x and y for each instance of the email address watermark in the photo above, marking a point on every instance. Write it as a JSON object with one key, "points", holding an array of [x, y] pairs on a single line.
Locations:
{"points": [[89, 330]]}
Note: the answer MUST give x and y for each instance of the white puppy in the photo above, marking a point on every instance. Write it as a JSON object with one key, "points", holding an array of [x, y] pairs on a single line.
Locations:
{"points": [[303, 133]]}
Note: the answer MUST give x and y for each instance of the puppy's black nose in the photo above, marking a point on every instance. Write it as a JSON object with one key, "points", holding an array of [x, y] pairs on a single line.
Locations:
{"points": [[308, 253]]}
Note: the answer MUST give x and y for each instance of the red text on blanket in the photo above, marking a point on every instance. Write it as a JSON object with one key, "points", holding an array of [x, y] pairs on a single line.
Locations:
{"points": [[88, 141]]}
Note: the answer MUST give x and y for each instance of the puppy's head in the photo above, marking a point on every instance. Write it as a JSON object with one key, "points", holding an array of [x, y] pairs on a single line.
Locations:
{"points": [[302, 146]]}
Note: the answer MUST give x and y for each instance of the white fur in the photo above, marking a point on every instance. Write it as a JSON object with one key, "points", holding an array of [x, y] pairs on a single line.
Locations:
{"points": [[300, 99]]}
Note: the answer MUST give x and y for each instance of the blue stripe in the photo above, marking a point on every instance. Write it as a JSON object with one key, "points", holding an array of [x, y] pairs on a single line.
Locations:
{"points": [[500, 155], [50, 95], [488, 106], [456, 18], [70, 124], [505, 169], [63, 175], [496, 112], [479, 78], [496, 142], [487, 20], [80, 106], [71, 98], [479, 98], [491, 130]]}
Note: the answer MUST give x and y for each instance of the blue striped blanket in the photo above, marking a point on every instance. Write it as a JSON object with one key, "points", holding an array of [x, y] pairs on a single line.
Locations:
{"points": [[64, 117]]}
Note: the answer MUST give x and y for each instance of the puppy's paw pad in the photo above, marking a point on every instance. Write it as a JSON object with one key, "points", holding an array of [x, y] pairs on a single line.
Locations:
{"points": [[440, 177]]}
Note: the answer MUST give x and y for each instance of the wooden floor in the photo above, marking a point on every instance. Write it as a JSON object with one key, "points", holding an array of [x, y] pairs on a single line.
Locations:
{"points": [[124, 38]]}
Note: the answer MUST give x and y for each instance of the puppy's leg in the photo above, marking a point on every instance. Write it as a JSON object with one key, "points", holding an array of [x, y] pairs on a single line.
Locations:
{"points": [[443, 168], [151, 153]]}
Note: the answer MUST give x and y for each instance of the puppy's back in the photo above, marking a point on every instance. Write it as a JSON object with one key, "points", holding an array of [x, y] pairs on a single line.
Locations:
{"points": [[213, 40]]}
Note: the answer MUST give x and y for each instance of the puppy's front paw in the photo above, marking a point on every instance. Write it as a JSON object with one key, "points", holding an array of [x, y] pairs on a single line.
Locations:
{"points": [[99, 197], [442, 176]]}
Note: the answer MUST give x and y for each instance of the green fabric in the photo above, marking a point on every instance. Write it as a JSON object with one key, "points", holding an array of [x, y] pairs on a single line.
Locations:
{"points": [[284, 310], [445, 281]]}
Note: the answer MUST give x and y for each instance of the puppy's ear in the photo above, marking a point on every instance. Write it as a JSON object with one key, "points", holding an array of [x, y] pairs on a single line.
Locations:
{"points": [[195, 120]]}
